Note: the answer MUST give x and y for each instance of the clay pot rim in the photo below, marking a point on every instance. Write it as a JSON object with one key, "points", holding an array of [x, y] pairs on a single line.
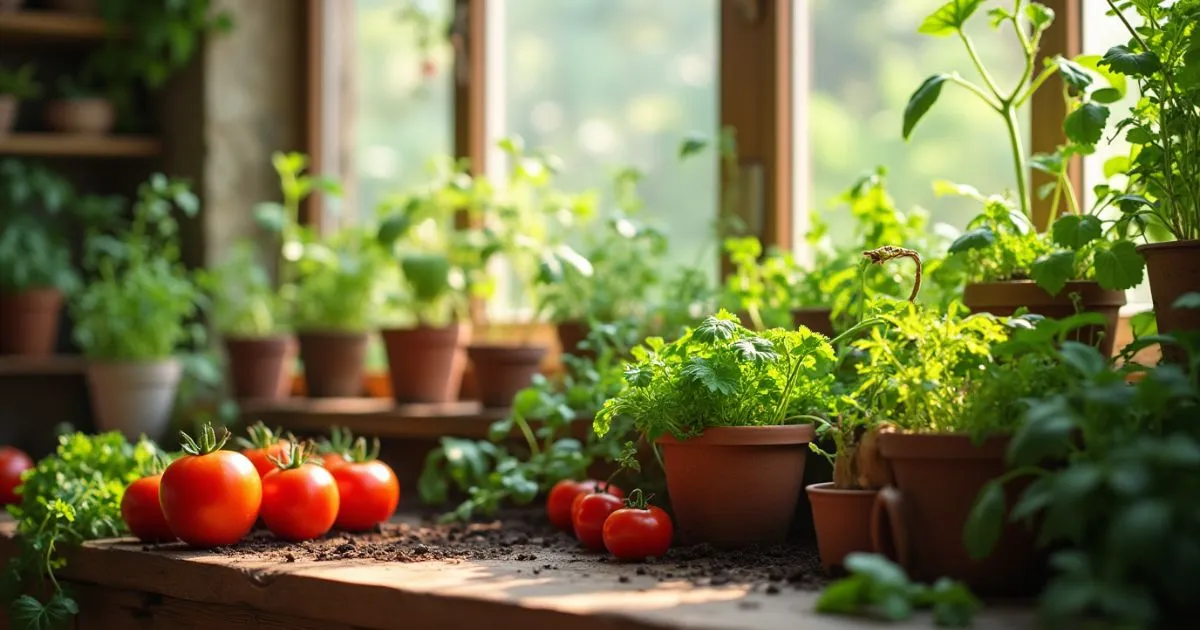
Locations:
{"points": [[941, 446], [44, 291], [1091, 291], [422, 328], [329, 333], [1177, 244], [278, 337], [110, 363], [772, 435], [490, 350], [827, 489]]}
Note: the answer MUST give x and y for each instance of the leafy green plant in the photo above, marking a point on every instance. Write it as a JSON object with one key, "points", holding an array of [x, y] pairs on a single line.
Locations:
{"points": [[83, 85], [1080, 248], [878, 588], [33, 252], [68, 498], [151, 40], [20, 83], [138, 306], [1164, 126], [244, 300], [763, 286], [491, 472], [1118, 509]]}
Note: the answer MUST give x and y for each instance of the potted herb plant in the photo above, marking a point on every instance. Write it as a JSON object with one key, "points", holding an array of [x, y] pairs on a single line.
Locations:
{"points": [[251, 319], [81, 106], [1012, 264], [441, 266], [531, 221], [35, 262], [132, 317], [1164, 130], [15, 86]]}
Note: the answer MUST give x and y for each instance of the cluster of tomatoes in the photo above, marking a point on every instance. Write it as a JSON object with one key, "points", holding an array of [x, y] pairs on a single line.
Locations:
{"points": [[211, 497], [600, 516]]}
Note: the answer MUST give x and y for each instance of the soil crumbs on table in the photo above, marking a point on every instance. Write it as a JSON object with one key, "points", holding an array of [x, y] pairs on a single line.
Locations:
{"points": [[527, 537]]}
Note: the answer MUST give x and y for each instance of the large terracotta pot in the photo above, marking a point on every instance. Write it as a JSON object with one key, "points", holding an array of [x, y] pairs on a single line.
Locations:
{"points": [[260, 368], [1004, 298], [426, 364], [84, 116], [29, 322], [1174, 269], [503, 370], [919, 521], [571, 334], [815, 319], [8, 110], [333, 363], [134, 398], [843, 522], [736, 486]]}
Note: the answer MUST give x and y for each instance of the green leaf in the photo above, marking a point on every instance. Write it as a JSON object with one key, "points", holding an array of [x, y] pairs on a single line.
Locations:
{"points": [[985, 521], [1040, 16], [1189, 300], [1075, 231], [1052, 271], [845, 596], [692, 145], [879, 569], [719, 378], [714, 329], [271, 216], [1108, 95], [978, 238], [1115, 165], [949, 18], [1139, 135], [1073, 74], [953, 603], [1086, 359], [1116, 81], [756, 349], [1119, 266], [1123, 60], [393, 228], [1044, 433], [427, 274], [921, 100], [1085, 125]]}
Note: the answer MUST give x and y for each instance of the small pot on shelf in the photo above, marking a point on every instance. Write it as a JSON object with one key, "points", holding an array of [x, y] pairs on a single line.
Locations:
{"points": [[1004, 298], [736, 486], [90, 116], [29, 322], [1174, 270], [426, 363], [8, 109], [135, 398], [334, 362], [500, 371], [260, 368]]}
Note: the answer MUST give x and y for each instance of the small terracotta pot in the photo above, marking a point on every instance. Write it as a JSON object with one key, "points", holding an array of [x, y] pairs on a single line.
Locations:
{"points": [[736, 486], [818, 320], [8, 111], [80, 7], [84, 116], [29, 322], [261, 367], [1174, 269], [919, 521], [426, 364], [571, 334], [843, 522], [1004, 298], [134, 398], [501, 371], [333, 363]]}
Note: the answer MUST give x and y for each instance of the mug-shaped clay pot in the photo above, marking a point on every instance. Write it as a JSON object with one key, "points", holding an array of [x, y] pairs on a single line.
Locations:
{"points": [[425, 363], [333, 363], [29, 322], [842, 519], [1173, 269], [503, 370], [260, 368], [84, 116], [135, 398]]}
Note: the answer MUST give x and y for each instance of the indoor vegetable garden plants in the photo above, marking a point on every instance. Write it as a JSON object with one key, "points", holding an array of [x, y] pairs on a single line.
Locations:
{"points": [[134, 314], [1012, 263]]}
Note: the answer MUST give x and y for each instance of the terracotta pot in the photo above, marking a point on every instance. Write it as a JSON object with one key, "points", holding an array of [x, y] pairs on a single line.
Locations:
{"points": [[9, 6], [1173, 269], [134, 398], [815, 319], [261, 367], [333, 363], [843, 522], [84, 116], [1004, 298], [29, 322], [81, 7], [571, 334], [736, 486], [426, 364], [8, 111], [501, 371], [919, 521]]}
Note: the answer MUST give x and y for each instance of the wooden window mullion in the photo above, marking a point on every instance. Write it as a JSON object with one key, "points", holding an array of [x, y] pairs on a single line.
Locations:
{"points": [[1047, 109]]}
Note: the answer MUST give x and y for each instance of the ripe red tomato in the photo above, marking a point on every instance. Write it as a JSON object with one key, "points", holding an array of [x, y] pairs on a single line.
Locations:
{"points": [[589, 487], [142, 512], [261, 457], [368, 488], [299, 502], [333, 460], [13, 462], [333, 449], [559, 501], [210, 497], [633, 533], [589, 514]]}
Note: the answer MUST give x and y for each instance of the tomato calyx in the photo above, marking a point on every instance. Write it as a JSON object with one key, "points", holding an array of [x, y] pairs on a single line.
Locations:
{"points": [[260, 436], [296, 455], [627, 460], [208, 442], [638, 500], [359, 453], [339, 442]]}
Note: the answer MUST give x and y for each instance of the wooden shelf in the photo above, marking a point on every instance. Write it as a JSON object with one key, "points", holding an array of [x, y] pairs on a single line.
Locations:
{"points": [[375, 416], [43, 144], [49, 26], [41, 366]]}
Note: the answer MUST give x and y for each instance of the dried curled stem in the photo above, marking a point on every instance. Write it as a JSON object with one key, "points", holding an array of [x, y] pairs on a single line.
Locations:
{"points": [[890, 252]]}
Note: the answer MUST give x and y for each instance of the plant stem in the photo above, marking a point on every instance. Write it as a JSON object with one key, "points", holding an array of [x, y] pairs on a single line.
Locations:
{"points": [[1014, 139], [976, 90], [527, 432], [987, 78]]}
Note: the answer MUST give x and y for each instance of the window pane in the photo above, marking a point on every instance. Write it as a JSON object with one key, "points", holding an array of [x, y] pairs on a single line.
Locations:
{"points": [[403, 114], [867, 58], [608, 83]]}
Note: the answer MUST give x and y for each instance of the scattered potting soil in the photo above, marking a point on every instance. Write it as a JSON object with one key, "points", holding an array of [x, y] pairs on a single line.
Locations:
{"points": [[526, 537]]}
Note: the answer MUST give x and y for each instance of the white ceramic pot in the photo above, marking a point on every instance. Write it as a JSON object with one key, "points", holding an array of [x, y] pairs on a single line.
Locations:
{"points": [[134, 398]]}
